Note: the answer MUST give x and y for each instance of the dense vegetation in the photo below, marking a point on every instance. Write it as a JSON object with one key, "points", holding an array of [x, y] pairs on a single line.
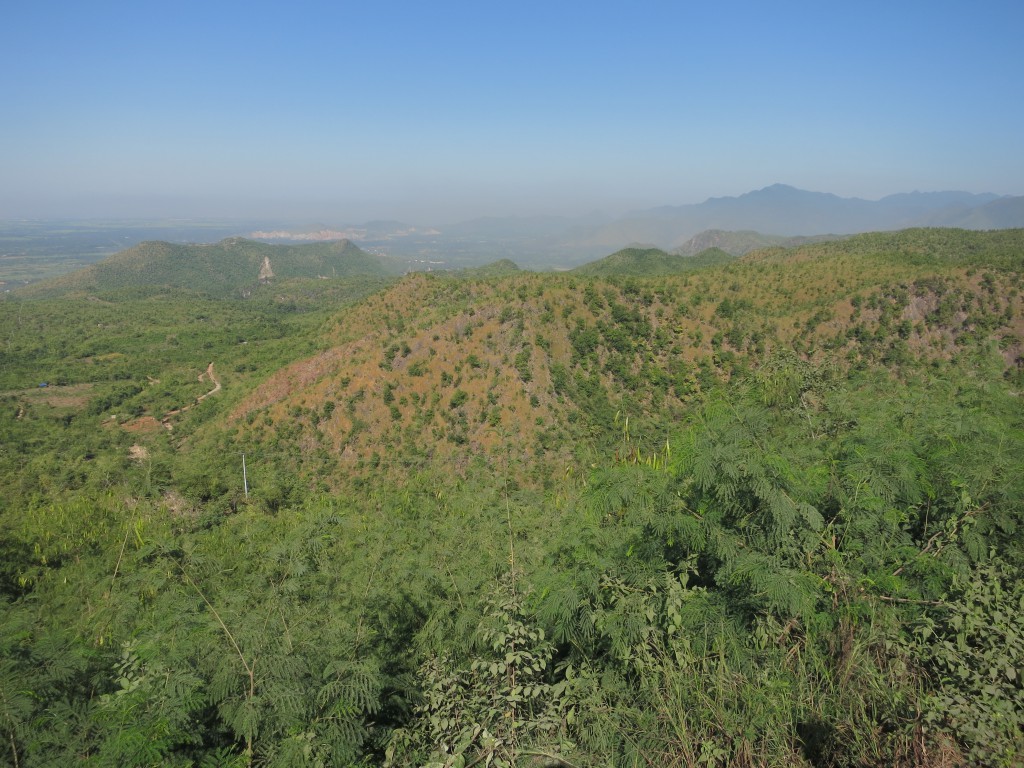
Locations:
{"points": [[762, 513]]}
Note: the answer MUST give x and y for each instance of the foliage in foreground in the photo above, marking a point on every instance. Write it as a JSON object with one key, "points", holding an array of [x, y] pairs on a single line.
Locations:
{"points": [[812, 572]]}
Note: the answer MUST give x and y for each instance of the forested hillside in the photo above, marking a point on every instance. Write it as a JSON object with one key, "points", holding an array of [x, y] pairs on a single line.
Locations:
{"points": [[651, 262], [760, 512]]}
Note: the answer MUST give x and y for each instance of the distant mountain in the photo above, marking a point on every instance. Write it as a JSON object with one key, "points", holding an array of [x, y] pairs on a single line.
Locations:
{"points": [[230, 267], [923, 203], [784, 211], [1002, 213], [735, 243], [778, 215], [650, 262]]}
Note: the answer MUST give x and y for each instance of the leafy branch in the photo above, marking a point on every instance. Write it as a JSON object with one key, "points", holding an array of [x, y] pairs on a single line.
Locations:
{"points": [[250, 667]]}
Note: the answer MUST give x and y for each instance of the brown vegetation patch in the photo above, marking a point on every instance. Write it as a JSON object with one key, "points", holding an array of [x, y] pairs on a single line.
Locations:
{"points": [[143, 424], [295, 377]]}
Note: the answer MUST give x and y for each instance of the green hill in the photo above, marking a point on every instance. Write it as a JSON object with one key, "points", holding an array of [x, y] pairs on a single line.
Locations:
{"points": [[649, 262], [499, 268], [231, 267]]}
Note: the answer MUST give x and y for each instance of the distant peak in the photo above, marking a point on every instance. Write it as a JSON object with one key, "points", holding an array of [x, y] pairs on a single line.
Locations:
{"points": [[785, 189]]}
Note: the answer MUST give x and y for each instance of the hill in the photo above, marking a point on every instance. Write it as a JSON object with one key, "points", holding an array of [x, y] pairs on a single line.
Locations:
{"points": [[435, 369], [231, 267], [650, 262], [740, 243]]}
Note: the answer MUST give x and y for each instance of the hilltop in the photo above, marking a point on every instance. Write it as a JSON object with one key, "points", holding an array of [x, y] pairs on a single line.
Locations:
{"points": [[232, 267], [498, 268], [651, 262]]}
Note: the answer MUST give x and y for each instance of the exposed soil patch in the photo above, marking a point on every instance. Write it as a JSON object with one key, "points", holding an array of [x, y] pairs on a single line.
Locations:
{"points": [[138, 452], [142, 424]]}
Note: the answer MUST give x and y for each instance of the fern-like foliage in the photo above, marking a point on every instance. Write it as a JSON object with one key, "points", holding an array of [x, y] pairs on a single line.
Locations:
{"points": [[509, 700], [761, 578]]}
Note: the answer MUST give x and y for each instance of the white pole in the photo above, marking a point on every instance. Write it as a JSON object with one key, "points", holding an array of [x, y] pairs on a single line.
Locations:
{"points": [[245, 479]]}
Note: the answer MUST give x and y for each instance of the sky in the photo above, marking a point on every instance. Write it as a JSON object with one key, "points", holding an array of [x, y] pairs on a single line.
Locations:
{"points": [[436, 112]]}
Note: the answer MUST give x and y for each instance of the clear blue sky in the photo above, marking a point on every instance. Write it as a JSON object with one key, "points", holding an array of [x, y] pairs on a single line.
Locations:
{"points": [[438, 111]]}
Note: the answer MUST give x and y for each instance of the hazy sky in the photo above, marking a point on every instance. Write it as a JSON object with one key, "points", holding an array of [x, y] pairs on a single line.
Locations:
{"points": [[434, 111]]}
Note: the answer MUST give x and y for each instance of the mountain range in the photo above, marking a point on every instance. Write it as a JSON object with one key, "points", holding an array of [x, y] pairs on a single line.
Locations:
{"points": [[776, 215], [785, 211]]}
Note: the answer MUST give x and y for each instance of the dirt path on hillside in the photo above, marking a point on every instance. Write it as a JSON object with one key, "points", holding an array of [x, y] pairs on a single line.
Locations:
{"points": [[212, 377], [207, 374]]}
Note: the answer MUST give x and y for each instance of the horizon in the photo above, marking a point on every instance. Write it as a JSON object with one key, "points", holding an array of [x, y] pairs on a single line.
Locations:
{"points": [[298, 221], [435, 115]]}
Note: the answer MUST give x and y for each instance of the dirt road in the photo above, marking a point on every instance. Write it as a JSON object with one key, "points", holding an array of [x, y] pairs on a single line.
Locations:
{"points": [[208, 373]]}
